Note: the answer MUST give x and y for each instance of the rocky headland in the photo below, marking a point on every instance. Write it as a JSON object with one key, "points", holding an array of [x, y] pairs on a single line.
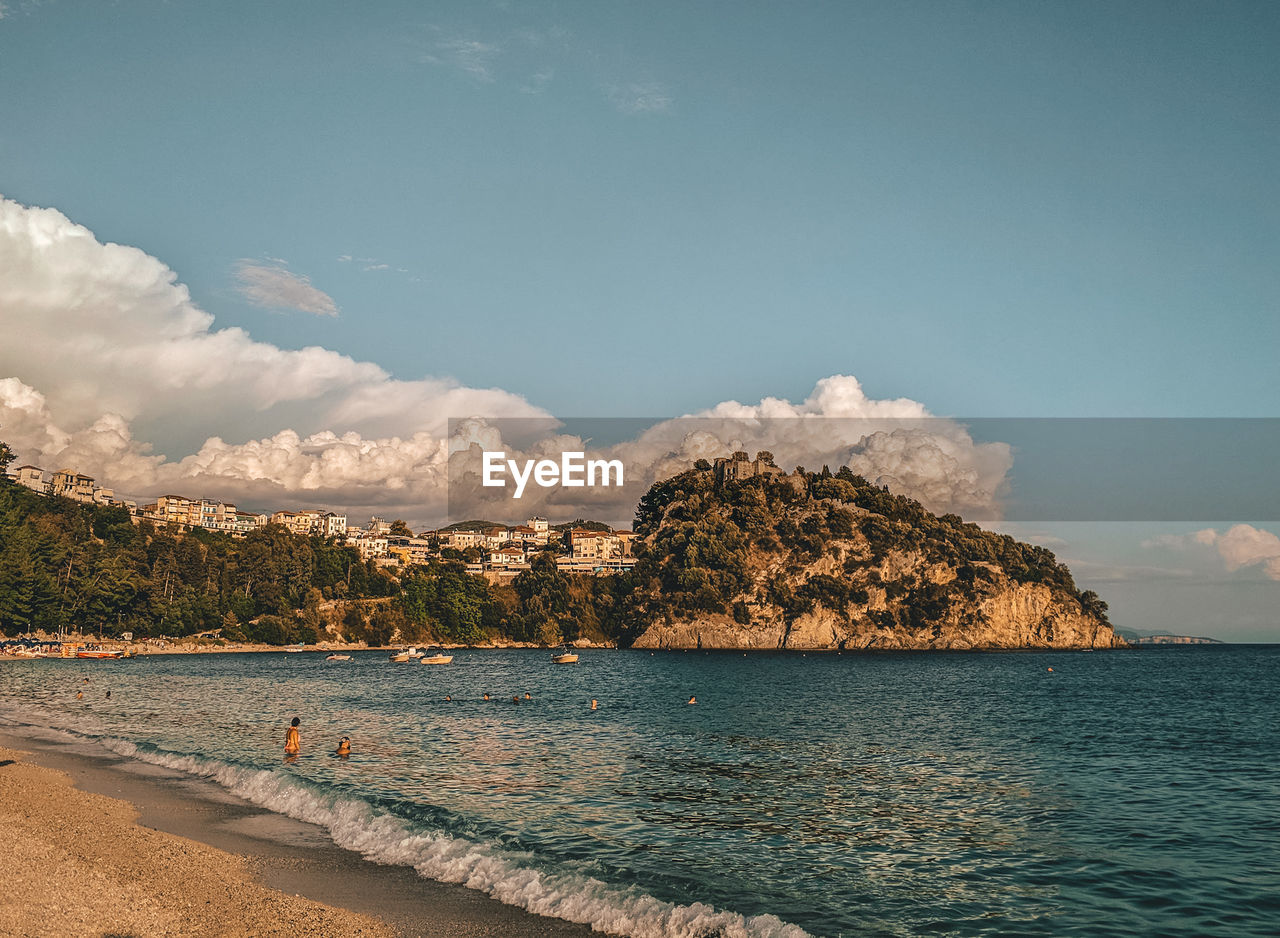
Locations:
{"points": [[815, 561]]}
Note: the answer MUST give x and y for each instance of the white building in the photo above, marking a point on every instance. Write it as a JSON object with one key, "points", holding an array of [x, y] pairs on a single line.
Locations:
{"points": [[32, 477], [371, 546]]}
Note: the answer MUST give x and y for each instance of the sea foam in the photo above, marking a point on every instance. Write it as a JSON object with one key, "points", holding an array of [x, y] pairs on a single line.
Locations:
{"points": [[388, 839]]}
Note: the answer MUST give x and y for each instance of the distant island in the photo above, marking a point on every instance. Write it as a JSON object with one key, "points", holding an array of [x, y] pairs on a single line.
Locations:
{"points": [[732, 555], [1138, 637]]}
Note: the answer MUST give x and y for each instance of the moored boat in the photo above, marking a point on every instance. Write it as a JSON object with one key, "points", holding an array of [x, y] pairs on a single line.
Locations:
{"points": [[564, 655], [337, 657], [435, 655]]}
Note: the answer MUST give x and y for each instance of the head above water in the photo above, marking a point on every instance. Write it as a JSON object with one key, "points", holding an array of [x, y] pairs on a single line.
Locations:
{"points": [[294, 722]]}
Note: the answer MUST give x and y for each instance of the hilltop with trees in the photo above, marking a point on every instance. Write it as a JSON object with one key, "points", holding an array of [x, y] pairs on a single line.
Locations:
{"points": [[822, 560], [800, 560]]}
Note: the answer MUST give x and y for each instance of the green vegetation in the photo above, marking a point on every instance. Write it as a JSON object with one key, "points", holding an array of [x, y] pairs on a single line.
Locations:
{"points": [[789, 544], [69, 565], [708, 549]]}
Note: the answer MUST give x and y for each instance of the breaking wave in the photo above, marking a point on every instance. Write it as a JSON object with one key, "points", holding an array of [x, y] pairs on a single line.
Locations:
{"points": [[383, 837]]}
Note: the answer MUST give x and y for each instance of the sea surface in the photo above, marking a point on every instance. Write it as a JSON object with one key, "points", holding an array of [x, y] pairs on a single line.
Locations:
{"points": [[1105, 793]]}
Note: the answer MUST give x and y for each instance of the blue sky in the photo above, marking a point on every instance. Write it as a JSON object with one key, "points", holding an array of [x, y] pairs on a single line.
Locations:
{"points": [[618, 209], [997, 208]]}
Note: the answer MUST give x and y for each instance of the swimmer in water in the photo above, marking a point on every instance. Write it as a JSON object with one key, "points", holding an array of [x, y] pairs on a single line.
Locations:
{"points": [[593, 703], [693, 700], [344, 747], [448, 698], [486, 696], [292, 743], [528, 696]]}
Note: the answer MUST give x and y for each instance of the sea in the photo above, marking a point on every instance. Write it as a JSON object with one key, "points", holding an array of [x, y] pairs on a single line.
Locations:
{"points": [[1023, 793]]}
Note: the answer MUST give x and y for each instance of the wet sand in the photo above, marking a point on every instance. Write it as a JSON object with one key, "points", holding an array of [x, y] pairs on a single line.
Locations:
{"points": [[139, 850]]}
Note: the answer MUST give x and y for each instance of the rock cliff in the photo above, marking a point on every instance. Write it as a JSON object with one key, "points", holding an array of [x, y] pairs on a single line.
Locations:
{"points": [[821, 562]]}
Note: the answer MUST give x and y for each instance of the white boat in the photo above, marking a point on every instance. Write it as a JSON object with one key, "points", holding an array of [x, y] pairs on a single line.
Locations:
{"points": [[406, 654], [564, 655], [435, 656], [337, 657]]}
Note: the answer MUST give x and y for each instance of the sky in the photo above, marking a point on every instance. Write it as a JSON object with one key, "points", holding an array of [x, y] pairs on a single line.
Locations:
{"points": [[265, 251]]}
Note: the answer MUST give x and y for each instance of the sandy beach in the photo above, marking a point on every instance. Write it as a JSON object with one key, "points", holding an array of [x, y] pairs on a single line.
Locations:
{"points": [[100, 846], [77, 863]]}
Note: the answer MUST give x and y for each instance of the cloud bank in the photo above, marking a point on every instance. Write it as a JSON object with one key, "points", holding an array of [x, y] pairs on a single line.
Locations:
{"points": [[895, 443], [1241, 545], [107, 366]]}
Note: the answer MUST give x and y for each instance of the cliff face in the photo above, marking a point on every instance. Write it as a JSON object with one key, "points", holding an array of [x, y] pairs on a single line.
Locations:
{"points": [[770, 565], [1021, 616]]}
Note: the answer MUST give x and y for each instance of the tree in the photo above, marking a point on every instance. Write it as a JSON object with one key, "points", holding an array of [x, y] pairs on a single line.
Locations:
{"points": [[400, 529], [544, 599], [6, 457]]}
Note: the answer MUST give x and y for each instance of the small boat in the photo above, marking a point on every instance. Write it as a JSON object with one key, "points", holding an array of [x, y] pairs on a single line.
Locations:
{"points": [[564, 655], [337, 657], [435, 655], [406, 654], [99, 654], [294, 649]]}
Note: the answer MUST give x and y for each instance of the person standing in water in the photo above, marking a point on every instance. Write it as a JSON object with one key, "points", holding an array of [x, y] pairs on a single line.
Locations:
{"points": [[292, 744], [344, 747]]}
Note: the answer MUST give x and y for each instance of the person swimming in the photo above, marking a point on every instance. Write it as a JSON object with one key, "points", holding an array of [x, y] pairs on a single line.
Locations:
{"points": [[528, 696], [486, 696], [344, 747], [448, 698], [693, 700], [593, 703], [292, 742]]}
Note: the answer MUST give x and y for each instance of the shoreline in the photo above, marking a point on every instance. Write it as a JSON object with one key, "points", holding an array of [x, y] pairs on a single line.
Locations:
{"points": [[191, 648], [183, 647], [158, 852]]}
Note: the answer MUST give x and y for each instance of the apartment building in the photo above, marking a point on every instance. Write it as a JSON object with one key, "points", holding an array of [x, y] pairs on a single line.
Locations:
{"points": [[32, 477], [71, 484], [371, 546]]}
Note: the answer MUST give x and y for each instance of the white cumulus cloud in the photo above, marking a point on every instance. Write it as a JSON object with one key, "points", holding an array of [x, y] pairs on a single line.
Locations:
{"points": [[97, 340], [896, 443], [1241, 545], [108, 367]]}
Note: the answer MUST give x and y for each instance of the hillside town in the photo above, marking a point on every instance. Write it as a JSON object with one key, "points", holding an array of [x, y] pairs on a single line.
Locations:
{"points": [[497, 552]]}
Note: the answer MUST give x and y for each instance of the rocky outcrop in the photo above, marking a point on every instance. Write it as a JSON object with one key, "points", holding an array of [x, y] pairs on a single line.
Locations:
{"points": [[1019, 616], [823, 574]]}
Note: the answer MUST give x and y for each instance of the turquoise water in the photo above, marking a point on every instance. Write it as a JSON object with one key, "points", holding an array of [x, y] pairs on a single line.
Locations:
{"points": [[1121, 793]]}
